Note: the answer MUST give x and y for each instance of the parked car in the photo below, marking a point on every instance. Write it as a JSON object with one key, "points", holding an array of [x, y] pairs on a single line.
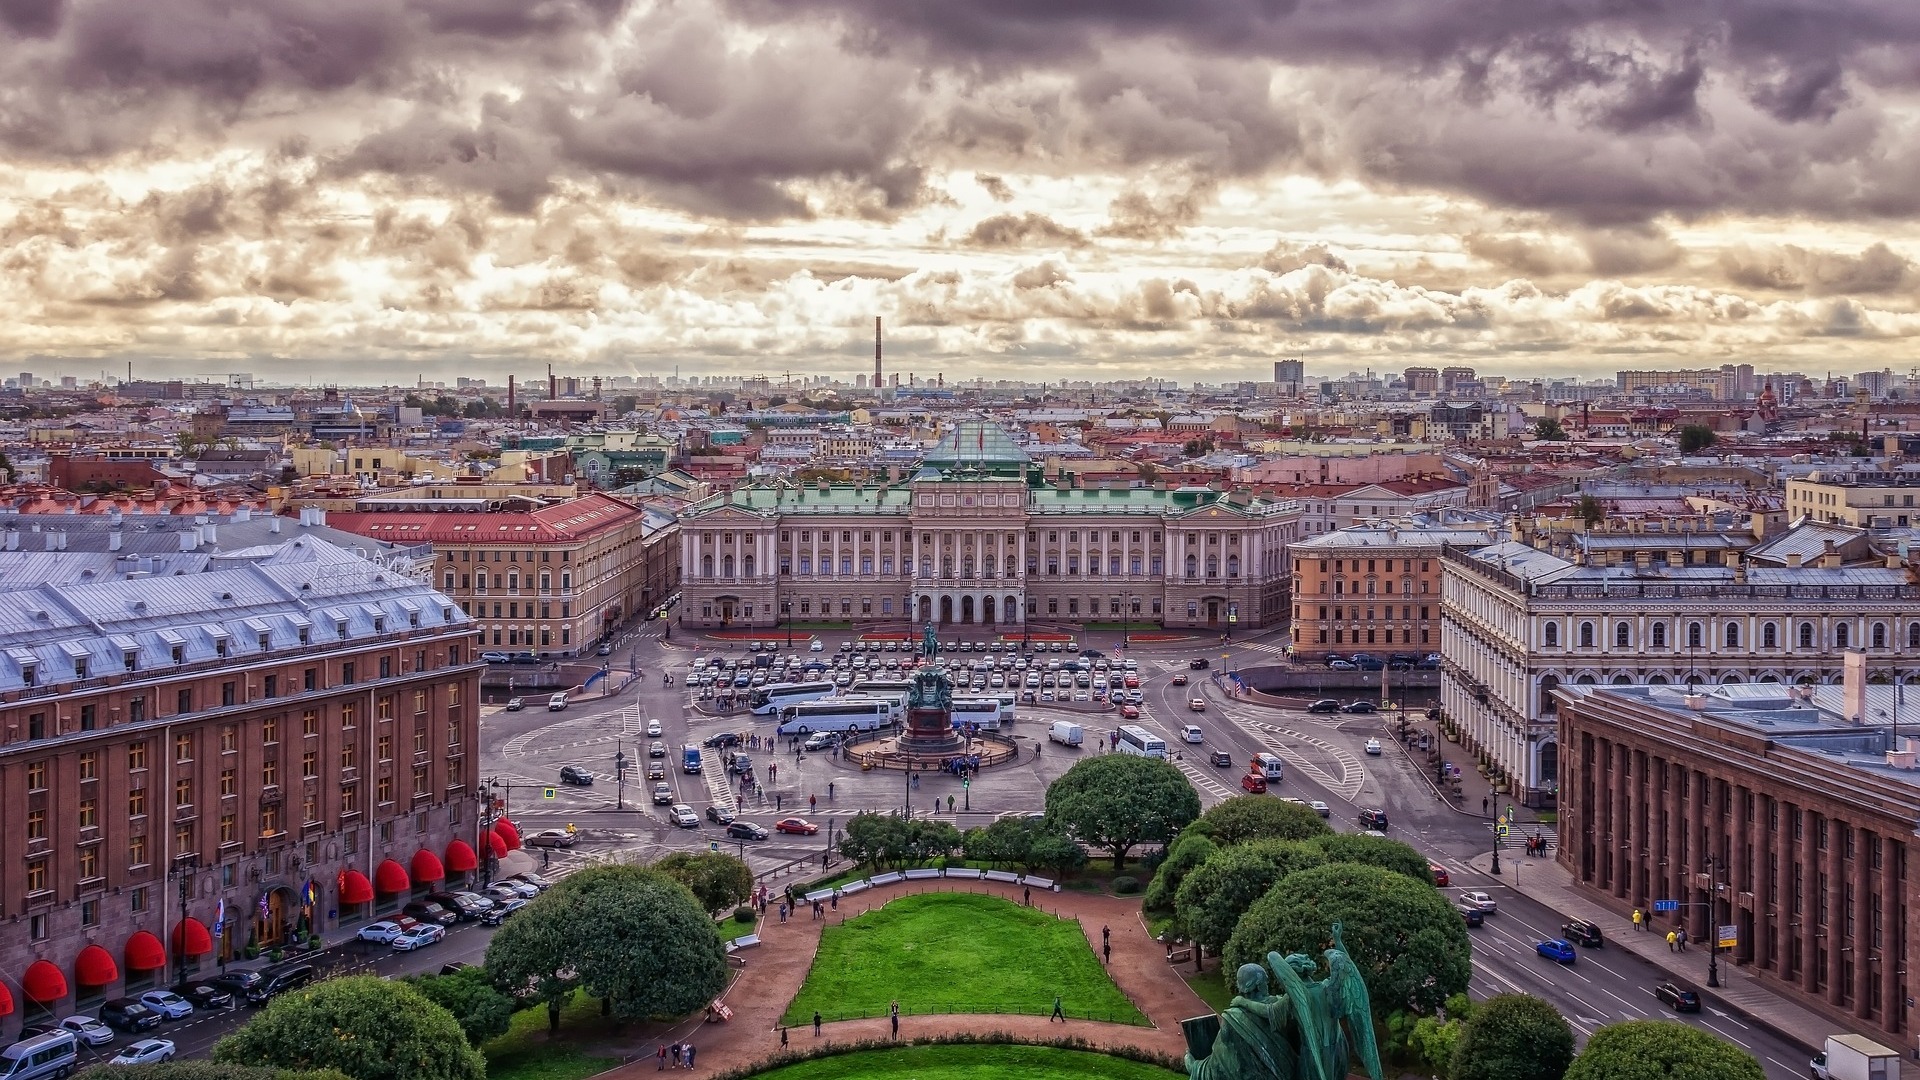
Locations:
{"points": [[574, 774], [381, 933], [534, 880], [1678, 998], [279, 980], [819, 740], [524, 888], [1340, 665], [1479, 900], [1557, 950], [797, 826], [722, 740], [1371, 818], [1441, 878], [205, 995], [1220, 759], [1584, 933], [1359, 707], [560, 838], [128, 1014], [719, 816], [145, 1052], [683, 816], [236, 983], [496, 658], [1324, 705], [468, 905], [1253, 782], [502, 908], [168, 1004], [745, 830], [419, 937], [88, 1030], [429, 912]]}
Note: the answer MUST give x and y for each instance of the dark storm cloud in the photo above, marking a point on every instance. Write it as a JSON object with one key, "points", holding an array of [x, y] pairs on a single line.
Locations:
{"points": [[1789, 267], [1017, 230]]}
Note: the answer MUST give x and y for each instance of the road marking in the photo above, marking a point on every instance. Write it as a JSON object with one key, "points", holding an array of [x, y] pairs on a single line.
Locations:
{"points": [[1730, 1036], [1631, 1007]]}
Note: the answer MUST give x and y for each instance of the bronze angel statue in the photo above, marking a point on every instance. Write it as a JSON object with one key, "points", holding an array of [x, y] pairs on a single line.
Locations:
{"points": [[1310, 1031]]}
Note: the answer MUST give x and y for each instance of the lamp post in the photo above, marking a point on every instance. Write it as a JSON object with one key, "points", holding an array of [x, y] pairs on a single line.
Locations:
{"points": [[620, 778], [786, 615], [182, 874], [1496, 851], [486, 833], [1713, 921]]}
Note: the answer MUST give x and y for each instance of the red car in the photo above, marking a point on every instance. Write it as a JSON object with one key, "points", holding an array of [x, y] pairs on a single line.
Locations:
{"points": [[1440, 878], [1254, 782], [1128, 712], [1180, 679], [796, 825]]}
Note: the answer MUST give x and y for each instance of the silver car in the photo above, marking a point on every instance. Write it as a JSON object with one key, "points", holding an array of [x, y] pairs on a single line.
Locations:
{"points": [[683, 816]]}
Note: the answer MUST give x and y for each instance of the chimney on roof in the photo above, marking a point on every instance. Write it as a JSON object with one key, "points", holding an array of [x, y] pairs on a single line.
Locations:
{"points": [[1901, 754], [114, 539], [1794, 559], [1853, 687], [1829, 558], [189, 538]]}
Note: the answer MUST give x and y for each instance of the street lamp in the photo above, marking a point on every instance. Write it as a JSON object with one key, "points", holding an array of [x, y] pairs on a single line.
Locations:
{"points": [[182, 873], [620, 778], [786, 615], [1496, 851], [1713, 921]]}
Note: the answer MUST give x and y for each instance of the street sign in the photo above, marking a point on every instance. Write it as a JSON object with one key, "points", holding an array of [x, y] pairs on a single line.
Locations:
{"points": [[1661, 906], [1500, 830], [713, 845], [548, 793], [1729, 937], [1502, 819]]}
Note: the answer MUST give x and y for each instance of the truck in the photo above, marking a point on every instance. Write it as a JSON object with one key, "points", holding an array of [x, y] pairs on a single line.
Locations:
{"points": [[1855, 1057], [1066, 733]]}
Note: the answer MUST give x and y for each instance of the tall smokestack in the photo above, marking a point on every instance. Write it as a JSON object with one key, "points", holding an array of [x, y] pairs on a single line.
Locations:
{"points": [[553, 385], [876, 354], [510, 412]]}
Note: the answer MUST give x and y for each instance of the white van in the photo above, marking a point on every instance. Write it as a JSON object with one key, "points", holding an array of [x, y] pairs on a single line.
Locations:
{"points": [[1268, 766], [1066, 732], [51, 1055], [557, 702]]}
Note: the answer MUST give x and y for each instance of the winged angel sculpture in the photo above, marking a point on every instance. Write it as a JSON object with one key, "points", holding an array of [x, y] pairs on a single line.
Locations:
{"points": [[1310, 1031]]}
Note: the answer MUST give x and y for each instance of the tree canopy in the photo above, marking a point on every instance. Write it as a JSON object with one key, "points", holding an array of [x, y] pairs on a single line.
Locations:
{"points": [[1031, 843], [531, 957], [1255, 817], [1548, 429], [1661, 1050], [881, 840], [641, 941], [363, 1026], [1118, 802], [468, 994], [1513, 1037], [1215, 895], [716, 879], [1408, 942], [201, 1069], [1185, 856], [1376, 851], [1696, 437]]}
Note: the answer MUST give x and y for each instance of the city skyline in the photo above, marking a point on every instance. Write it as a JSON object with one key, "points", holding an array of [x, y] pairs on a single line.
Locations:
{"points": [[374, 193]]}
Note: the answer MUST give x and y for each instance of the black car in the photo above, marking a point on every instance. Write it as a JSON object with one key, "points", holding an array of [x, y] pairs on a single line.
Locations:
{"points": [[1220, 759], [1359, 707], [722, 740], [1325, 704], [467, 906], [280, 980], [1584, 933], [205, 995], [1199, 663], [429, 911], [1677, 997], [1471, 915], [719, 816], [574, 774], [128, 1014], [1374, 819], [236, 983], [746, 830]]}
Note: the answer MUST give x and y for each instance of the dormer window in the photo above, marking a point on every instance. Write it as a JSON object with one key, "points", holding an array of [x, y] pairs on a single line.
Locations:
{"points": [[132, 660], [79, 667], [29, 674], [179, 654]]}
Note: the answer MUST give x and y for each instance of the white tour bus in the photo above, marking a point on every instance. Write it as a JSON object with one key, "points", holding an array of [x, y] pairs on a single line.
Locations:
{"points": [[840, 714], [769, 700], [985, 711], [1140, 742], [892, 691]]}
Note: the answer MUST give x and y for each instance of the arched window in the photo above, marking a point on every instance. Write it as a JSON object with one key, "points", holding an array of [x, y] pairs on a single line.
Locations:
{"points": [[1879, 635], [1696, 635], [1733, 635], [1213, 566], [1586, 635], [1193, 570], [1233, 566], [706, 566], [1551, 634], [1623, 679], [1622, 636], [746, 565], [1769, 636], [726, 566], [1840, 638], [1659, 635], [1913, 636], [1806, 635], [1548, 684]]}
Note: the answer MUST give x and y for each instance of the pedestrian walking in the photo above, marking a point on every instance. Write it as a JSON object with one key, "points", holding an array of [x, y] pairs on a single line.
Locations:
{"points": [[1106, 934], [813, 803], [1483, 804], [1026, 896], [783, 912], [949, 804], [1636, 918], [691, 1049], [893, 1015], [773, 772], [1057, 1013], [836, 901], [1106, 952], [1683, 939], [673, 1054], [783, 1037], [663, 1058], [816, 1023], [829, 790], [1671, 942]]}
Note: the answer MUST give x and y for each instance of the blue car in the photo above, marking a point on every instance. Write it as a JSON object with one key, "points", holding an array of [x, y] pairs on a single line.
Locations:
{"points": [[1556, 949]]}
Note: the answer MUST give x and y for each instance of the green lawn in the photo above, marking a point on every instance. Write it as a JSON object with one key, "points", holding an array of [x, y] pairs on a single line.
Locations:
{"points": [[526, 1053], [729, 929], [1210, 988], [957, 953], [974, 1062]]}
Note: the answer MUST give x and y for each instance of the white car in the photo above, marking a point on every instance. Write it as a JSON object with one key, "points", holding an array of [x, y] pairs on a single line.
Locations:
{"points": [[1197, 704], [88, 1030], [145, 1051], [167, 1004], [381, 933], [653, 729], [523, 888], [419, 937], [817, 646], [683, 816], [1373, 747], [1192, 734], [1480, 900]]}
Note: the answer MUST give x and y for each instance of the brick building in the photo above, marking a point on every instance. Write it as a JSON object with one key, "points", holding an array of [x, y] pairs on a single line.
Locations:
{"points": [[1377, 586], [284, 733]]}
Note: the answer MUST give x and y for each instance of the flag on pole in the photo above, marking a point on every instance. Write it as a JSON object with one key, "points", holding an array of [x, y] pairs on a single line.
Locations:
{"points": [[219, 918]]}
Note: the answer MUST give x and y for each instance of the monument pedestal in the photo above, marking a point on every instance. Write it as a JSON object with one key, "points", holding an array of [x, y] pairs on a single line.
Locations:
{"points": [[930, 731]]}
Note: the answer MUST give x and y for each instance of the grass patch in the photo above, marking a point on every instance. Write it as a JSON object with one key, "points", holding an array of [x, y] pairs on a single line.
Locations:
{"points": [[975, 1062], [1212, 989], [729, 929], [526, 1052], [957, 953]]}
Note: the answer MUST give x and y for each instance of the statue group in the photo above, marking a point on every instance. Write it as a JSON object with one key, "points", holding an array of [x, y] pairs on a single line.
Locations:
{"points": [[1309, 1031]]}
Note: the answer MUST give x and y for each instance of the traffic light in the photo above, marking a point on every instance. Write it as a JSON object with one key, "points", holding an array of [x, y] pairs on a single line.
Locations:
{"points": [[966, 782]]}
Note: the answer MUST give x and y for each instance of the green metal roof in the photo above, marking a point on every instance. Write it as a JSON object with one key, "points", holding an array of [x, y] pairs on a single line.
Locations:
{"points": [[977, 444]]}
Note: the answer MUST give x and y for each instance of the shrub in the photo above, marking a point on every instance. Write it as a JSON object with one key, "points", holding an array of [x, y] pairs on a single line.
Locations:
{"points": [[744, 915], [1126, 885]]}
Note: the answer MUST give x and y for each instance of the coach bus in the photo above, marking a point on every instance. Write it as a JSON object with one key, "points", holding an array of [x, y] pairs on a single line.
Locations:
{"points": [[893, 691], [839, 714], [1140, 742], [770, 699], [986, 712]]}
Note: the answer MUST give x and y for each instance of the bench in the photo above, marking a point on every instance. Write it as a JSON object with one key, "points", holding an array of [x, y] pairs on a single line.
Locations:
{"points": [[1005, 876], [852, 887], [890, 878], [744, 941], [921, 875], [964, 872], [1039, 882], [1180, 956]]}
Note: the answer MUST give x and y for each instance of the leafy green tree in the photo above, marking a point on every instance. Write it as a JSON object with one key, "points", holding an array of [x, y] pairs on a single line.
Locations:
{"points": [[1513, 1037], [362, 1025], [1661, 1050], [1051, 849], [1435, 1039], [1215, 895], [200, 1069], [1408, 942], [1187, 853], [929, 839], [1118, 802], [875, 840], [1696, 437], [531, 957], [1376, 851], [1591, 512], [716, 879], [469, 995], [1256, 817], [1548, 429], [1005, 842], [642, 942]]}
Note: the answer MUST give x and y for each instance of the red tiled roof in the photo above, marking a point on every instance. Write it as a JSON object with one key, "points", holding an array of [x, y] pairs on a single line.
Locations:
{"points": [[575, 519]]}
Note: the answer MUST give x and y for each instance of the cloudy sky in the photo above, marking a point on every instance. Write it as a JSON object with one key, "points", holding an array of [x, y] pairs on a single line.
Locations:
{"points": [[368, 190]]}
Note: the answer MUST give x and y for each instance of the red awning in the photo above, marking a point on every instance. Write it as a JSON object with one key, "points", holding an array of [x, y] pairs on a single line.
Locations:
{"points": [[144, 952], [391, 877], [426, 867], [496, 845], [460, 857], [6, 1000], [43, 983], [190, 936], [354, 887], [95, 967], [507, 832]]}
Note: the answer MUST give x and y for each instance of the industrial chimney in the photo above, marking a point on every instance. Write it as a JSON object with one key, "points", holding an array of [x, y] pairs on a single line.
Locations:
{"points": [[876, 354]]}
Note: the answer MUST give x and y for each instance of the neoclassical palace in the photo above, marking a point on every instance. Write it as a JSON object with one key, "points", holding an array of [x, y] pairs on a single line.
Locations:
{"points": [[979, 535], [1518, 622]]}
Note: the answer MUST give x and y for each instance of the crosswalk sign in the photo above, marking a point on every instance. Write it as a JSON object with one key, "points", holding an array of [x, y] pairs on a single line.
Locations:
{"points": [[548, 793], [713, 845]]}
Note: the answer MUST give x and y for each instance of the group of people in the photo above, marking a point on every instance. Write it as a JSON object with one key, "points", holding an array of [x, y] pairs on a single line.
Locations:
{"points": [[680, 1054]]}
